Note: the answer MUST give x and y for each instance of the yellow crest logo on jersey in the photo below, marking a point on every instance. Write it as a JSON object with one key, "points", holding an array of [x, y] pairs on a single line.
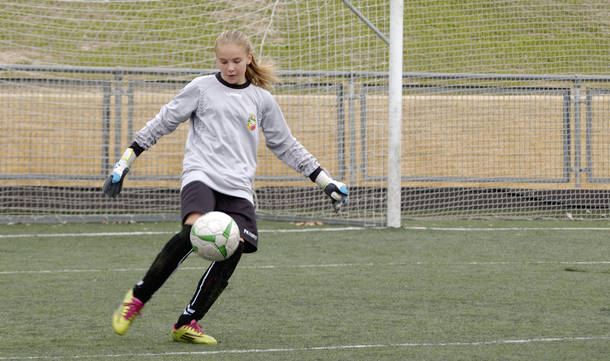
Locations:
{"points": [[252, 122]]}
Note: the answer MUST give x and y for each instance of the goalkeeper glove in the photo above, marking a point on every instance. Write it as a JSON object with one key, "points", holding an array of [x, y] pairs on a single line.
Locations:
{"points": [[114, 183], [337, 191]]}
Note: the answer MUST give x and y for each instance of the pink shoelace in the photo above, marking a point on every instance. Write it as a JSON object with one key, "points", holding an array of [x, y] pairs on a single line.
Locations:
{"points": [[133, 309], [195, 326]]}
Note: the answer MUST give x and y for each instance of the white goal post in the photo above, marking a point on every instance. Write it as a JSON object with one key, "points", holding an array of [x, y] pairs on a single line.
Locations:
{"points": [[395, 114]]}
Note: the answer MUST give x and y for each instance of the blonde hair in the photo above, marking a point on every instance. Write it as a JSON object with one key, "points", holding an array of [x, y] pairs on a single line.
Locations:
{"points": [[261, 75]]}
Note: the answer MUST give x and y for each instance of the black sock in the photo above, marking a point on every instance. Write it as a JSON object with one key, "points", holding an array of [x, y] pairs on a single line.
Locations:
{"points": [[214, 281], [167, 261]]}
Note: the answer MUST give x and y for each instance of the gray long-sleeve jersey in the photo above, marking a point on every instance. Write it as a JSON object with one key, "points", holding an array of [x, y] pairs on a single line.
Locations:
{"points": [[220, 149]]}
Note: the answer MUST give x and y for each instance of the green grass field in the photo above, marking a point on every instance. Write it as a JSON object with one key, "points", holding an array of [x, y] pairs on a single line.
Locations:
{"points": [[480, 290]]}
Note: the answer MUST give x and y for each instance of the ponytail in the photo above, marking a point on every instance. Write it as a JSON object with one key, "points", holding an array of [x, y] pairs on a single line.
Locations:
{"points": [[261, 75]]}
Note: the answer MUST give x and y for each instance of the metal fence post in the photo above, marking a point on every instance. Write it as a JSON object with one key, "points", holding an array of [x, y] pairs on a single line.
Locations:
{"points": [[352, 127], [577, 151], [118, 118], [106, 129]]}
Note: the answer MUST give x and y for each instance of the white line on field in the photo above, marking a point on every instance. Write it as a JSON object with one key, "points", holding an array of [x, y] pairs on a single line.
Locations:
{"points": [[322, 348], [115, 234], [492, 229], [337, 229], [328, 265], [65, 235]]}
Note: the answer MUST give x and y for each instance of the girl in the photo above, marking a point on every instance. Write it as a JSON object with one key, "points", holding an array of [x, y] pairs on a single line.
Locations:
{"points": [[225, 111]]}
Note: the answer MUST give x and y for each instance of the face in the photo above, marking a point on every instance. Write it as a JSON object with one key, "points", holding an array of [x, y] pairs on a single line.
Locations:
{"points": [[232, 60]]}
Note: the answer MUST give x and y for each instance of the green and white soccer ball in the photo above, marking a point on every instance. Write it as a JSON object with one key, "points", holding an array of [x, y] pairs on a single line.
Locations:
{"points": [[215, 236]]}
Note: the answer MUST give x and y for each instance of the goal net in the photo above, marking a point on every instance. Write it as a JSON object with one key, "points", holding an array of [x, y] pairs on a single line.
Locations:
{"points": [[506, 105]]}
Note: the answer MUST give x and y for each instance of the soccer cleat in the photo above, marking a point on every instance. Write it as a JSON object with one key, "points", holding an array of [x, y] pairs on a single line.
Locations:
{"points": [[192, 333], [127, 311]]}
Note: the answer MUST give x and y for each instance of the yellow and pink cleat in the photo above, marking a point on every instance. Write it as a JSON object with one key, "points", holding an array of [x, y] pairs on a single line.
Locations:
{"points": [[125, 314], [192, 333]]}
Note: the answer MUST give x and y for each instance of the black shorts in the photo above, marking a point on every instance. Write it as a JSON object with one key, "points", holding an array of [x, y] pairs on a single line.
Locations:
{"points": [[197, 197]]}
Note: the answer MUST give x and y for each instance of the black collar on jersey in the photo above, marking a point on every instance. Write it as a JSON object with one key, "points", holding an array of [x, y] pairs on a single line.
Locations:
{"points": [[234, 86]]}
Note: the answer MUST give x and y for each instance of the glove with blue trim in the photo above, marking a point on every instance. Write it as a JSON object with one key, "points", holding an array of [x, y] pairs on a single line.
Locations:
{"points": [[114, 183], [337, 191]]}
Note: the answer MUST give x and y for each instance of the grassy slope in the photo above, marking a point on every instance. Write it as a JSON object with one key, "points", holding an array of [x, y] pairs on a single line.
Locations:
{"points": [[444, 36]]}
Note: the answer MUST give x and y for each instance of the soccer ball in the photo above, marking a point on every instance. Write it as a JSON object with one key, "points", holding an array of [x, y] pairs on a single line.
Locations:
{"points": [[215, 236]]}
